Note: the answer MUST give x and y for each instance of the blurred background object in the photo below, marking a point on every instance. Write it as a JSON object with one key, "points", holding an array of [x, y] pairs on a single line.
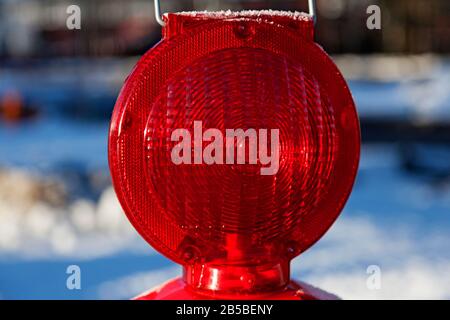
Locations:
{"points": [[57, 91]]}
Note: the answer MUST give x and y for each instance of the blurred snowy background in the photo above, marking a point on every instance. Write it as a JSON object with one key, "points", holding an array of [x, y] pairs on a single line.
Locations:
{"points": [[57, 207]]}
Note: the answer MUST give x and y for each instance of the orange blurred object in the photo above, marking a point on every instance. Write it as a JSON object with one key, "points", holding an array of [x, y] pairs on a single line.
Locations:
{"points": [[13, 107]]}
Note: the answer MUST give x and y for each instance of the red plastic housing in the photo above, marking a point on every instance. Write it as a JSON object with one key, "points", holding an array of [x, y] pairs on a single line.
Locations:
{"points": [[176, 289], [234, 230]]}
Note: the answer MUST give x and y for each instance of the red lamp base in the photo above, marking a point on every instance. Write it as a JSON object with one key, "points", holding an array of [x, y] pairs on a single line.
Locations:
{"points": [[176, 289]]}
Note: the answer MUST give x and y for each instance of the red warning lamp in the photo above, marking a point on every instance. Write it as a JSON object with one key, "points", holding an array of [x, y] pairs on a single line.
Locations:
{"points": [[220, 86]]}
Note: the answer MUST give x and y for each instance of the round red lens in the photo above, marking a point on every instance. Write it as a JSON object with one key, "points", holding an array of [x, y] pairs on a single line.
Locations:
{"points": [[234, 224]]}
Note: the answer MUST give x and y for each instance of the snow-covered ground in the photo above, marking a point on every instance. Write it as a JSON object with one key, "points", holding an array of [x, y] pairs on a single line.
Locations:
{"points": [[414, 88], [393, 220]]}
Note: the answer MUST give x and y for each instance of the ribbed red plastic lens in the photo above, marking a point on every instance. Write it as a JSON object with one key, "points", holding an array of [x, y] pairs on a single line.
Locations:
{"points": [[234, 229]]}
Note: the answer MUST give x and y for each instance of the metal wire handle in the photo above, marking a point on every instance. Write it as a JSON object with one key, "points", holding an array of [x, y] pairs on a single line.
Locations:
{"points": [[160, 20]]}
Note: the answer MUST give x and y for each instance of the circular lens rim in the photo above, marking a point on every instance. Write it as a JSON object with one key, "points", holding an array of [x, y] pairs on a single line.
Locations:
{"points": [[164, 47]]}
